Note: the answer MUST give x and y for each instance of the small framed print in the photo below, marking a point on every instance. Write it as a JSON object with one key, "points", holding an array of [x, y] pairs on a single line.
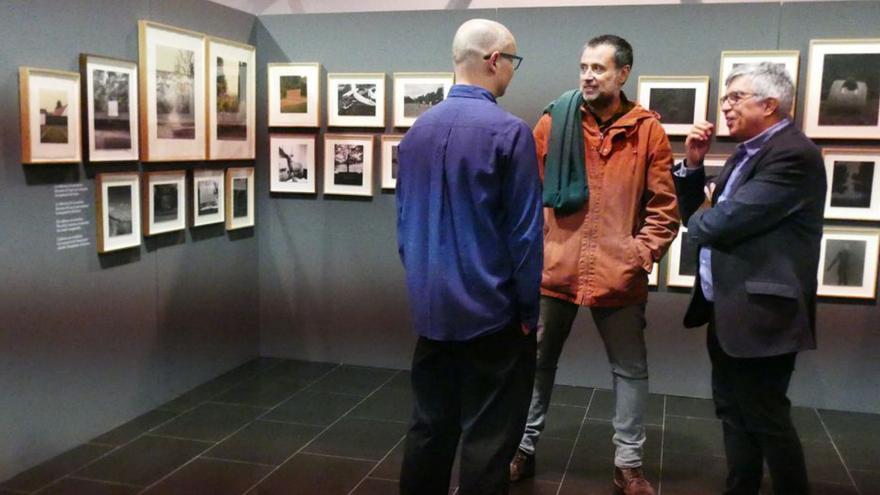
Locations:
{"points": [[208, 197], [118, 211], [682, 265], [390, 163], [172, 93], [111, 100], [292, 163], [853, 184], [164, 202], [239, 198], [848, 263], [680, 101], [50, 116], [654, 276], [417, 92], [294, 95], [356, 100], [348, 164], [231, 100], [733, 59], [843, 89]]}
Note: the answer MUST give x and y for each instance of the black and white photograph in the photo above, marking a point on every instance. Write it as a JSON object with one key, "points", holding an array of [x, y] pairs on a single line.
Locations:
{"points": [[844, 262], [390, 161], [119, 210], [848, 262], [292, 166], [175, 93], [239, 198], [348, 164], [853, 183], [112, 119], [293, 163], [294, 94], [50, 116], [208, 197], [231, 100], [417, 92], [165, 207], [418, 98], [356, 100], [733, 59], [674, 105], [680, 101]]}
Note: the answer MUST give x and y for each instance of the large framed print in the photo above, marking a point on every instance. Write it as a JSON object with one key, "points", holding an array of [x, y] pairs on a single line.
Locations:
{"points": [[843, 89], [680, 101], [356, 100], [164, 202], [853, 183], [239, 198], [110, 93], [294, 95], [682, 264], [117, 199], [292, 163], [390, 162], [231, 100], [733, 59], [417, 92], [348, 164], [50, 116], [848, 263], [208, 197], [172, 93]]}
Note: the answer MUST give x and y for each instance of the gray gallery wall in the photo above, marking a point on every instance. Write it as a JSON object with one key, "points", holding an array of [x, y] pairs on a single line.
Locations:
{"points": [[87, 341], [331, 286]]}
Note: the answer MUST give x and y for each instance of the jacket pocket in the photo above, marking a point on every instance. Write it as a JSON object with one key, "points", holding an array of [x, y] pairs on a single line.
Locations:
{"points": [[771, 289]]}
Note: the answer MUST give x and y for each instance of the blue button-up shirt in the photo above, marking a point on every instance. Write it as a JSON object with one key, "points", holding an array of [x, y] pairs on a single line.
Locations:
{"points": [[469, 218], [744, 152]]}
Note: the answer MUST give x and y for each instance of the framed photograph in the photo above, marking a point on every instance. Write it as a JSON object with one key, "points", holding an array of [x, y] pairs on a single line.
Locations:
{"points": [[292, 160], [164, 202], [389, 160], [848, 263], [682, 265], [732, 59], [239, 198], [356, 100], [679, 100], [118, 211], [208, 197], [654, 276], [416, 92], [843, 89], [50, 116], [172, 94], [348, 164], [294, 95], [853, 183], [110, 93], [232, 100]]}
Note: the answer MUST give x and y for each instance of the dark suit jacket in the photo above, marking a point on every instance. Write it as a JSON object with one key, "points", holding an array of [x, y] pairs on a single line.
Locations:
{"points": [[765, 249]]}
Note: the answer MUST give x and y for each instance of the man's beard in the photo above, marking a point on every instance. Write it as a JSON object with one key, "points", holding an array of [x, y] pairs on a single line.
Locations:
{"points": [[598, 102]]}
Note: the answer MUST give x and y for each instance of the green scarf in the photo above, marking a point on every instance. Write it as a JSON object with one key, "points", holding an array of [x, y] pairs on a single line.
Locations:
{"points": [[565, 177]]}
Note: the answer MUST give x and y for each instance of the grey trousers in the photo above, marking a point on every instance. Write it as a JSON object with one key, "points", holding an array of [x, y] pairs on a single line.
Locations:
{"points": [[623, 332]]}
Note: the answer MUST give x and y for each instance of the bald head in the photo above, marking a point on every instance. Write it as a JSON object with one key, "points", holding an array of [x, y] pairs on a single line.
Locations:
{"points": [[478, 37]]}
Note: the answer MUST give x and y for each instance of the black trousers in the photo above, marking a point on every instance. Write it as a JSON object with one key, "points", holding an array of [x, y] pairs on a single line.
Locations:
{"points": [[750, 399], [477, 391]]}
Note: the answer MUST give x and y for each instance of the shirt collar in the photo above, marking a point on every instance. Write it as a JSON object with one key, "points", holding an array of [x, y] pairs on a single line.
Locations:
{"points": [[754, 144], [469, 91]]}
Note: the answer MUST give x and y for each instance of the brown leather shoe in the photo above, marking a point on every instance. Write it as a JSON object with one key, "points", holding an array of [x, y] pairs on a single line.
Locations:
{"points": [[631, 481], [522, 466]]}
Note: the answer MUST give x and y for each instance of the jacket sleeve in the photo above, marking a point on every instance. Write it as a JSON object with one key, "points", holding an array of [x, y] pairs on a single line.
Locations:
{"points": [[542, 136], [523, 222], [660, 205]]}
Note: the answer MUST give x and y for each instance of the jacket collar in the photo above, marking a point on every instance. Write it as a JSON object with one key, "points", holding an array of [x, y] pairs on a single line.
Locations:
{"points": [[469, 91]]}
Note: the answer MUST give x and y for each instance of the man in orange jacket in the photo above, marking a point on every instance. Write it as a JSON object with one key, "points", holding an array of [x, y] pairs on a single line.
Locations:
{"points": [[610, 213]]}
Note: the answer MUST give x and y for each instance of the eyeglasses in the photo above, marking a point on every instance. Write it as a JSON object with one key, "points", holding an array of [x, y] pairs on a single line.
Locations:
{"points": [[514, 59], [735, 98]]}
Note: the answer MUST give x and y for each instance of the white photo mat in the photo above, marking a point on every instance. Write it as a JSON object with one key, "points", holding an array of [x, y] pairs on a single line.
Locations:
{"points": [[354, 176], [99, 141], [848, 263], [118, 211], [845, 199], [343, 94], [293, 99], [674, 278], [239, 200], [224, 138], [698, 84], [208, 195], [292, 163], [154, 180], [406, 82], [47, 98]]}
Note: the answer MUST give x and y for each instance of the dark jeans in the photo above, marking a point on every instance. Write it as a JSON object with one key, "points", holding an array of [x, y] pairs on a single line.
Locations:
{"points": [[750, 399], [477, 390]]}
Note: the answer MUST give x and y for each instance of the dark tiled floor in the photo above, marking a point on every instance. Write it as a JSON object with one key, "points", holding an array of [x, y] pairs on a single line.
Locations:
{"points": [[276, 426]]}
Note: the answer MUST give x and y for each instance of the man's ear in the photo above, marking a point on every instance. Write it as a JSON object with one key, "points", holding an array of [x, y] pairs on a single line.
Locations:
{"points": [[770, 106], [623, 74]]}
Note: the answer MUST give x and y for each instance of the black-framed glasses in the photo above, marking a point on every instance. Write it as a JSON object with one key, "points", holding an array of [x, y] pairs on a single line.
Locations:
{"points": [[514, 59], [735, 97]]}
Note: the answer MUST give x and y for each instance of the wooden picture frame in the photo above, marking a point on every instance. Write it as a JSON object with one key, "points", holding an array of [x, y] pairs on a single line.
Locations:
{"points": [[680, 101], [208, 197], [164, 202], [843, 89], [681, 269], [292, 163], [239, 198], [853, 177], [50, 116], [390, 142], [848, 263], [294, 94], [232, 102], [416, 92], [172, 93], [110, 93], [117, 208], [356, 99], [354, 152]]}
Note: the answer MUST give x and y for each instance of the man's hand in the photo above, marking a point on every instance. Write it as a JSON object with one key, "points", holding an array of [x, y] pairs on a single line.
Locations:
{"points": [[698, 141]]}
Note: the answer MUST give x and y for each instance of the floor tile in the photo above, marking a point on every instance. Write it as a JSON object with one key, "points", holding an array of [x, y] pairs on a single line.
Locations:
{"points": [[855, 435], [823, 463], [323, 475], [377, 487], [358, 438], [808, 425], [402, 379], [387, 404], [265, 442], [571, 396], [143, 461], [198, 395], [690, 407], [591, 479], [602, 407], [313, 408], [389, 468], [260, 392], [298, 371], [823, 488], [212, 477], [74, 486], [534, 487], [694, 437], [209, 422], [551, 458], [49, 471], [851, 423], [563, 421], [130, 430], [355, 380], [867, 481], [692, 475]]}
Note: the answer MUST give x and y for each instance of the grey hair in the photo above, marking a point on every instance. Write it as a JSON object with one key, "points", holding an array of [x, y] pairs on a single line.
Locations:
{"points": [[478, 37], [769, 80]]}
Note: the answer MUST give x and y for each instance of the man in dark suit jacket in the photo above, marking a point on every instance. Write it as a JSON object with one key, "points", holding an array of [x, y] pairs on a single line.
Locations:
{"points": [[758, 260]]}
